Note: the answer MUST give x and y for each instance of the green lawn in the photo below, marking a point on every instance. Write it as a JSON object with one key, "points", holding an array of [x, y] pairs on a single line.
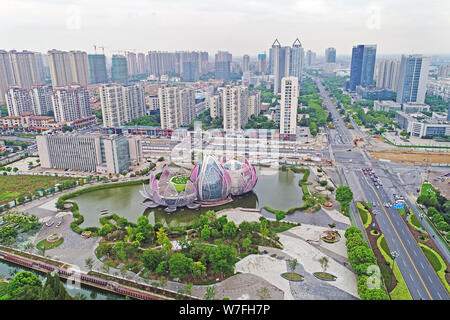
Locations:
{"points": [[400, 291], [365, 215], [437, 263], [45, 245], [12, 187], [414, 222]]}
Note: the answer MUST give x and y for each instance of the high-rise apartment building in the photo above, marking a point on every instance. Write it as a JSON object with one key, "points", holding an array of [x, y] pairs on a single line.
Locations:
{"points": [[190, 71], [71, 103], [289, 103], [262, 63], [132, 63], [387, 74], [203, 62], [222, 65], [89, 153], [141, 63], [24, 68], [80, 67], [37, 100], [119, 69], [362, 66], [234, 107], [245, 63], [6, 75], [68, 68], [310, 58], [18, 101], [330, 55], [412, 78], [97, 68], [254, 103], [121, 103], [60, 68], [161, 63], [279, 64], [41, 99], [215, 106], [176, 106], [296, 60]]}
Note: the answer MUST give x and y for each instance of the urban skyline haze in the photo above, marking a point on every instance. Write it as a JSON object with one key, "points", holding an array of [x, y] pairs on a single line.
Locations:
{"points": [[238, 27]]}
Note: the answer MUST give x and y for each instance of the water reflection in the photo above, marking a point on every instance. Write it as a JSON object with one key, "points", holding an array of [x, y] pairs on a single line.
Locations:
{"points": [[277, 189]]}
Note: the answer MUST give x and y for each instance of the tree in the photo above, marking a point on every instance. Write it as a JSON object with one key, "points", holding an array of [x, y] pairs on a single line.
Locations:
{"points": [[162, 268], [198, 269], [324, 263], [292, 264], [222, 259], [151, 258], [352, 230], [206, 233], [344, 195], [89, 262], [443, 226], [15, 169], [246, 243], [355, 240], [245, 227], [54, 289], [106, 229], [361, 256], [25, 286], [163, 240], [229, 229], [179, 265], [436, 218]]}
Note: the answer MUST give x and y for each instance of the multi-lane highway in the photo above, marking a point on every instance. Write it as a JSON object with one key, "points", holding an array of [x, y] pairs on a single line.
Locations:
{"points": [[419, 276]]}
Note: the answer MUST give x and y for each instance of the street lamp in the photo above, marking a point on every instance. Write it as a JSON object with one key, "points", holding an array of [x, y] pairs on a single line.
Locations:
{"points": [[394, 255]]}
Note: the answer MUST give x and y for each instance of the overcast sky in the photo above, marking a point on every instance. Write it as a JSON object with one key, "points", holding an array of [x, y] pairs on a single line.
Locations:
{"points": [[239, 26]]}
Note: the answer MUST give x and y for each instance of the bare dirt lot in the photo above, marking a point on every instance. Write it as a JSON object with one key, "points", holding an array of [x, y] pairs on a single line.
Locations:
{"points": [[440, 182], [413, 157]]}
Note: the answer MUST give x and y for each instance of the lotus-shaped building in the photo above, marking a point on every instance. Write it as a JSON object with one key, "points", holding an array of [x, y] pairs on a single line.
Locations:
{"points": [[243, 175], [212, 181], [165, 192]]}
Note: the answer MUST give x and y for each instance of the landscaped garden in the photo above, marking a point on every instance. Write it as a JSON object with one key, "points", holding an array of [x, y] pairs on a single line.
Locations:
{"points": [[200, 253], [393, 280], [52, 241], [179, 182], [330, 236], [16, 222]]}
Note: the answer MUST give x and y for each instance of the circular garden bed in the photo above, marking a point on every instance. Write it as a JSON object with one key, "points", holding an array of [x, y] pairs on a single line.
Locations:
{"points": [[423, 238], [325, 276], [330, 236], [374, 232], [292, 276], [55, 241]]}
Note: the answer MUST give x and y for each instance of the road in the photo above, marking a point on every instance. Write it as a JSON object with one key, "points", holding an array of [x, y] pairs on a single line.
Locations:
{"points": [[419, 276]]}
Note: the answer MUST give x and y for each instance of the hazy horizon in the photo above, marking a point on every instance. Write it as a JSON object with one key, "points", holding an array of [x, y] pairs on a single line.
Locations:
{"points": [[240, 27]]}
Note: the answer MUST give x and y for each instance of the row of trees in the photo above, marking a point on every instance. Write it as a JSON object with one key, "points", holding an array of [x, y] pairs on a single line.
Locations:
{"points": [[362, 259], [27, 286], [344, 196], [438, 207], [309, 97]]}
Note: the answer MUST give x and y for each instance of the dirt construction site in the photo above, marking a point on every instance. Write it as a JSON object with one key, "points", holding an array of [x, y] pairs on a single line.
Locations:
{"points": [[412, 157]]}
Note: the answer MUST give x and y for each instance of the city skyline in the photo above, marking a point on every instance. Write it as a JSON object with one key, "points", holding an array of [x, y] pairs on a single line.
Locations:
{"points": [[318, 24]]}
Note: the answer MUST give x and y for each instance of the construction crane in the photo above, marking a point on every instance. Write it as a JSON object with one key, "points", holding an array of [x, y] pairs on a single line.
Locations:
{"points": [[103, 49]]}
